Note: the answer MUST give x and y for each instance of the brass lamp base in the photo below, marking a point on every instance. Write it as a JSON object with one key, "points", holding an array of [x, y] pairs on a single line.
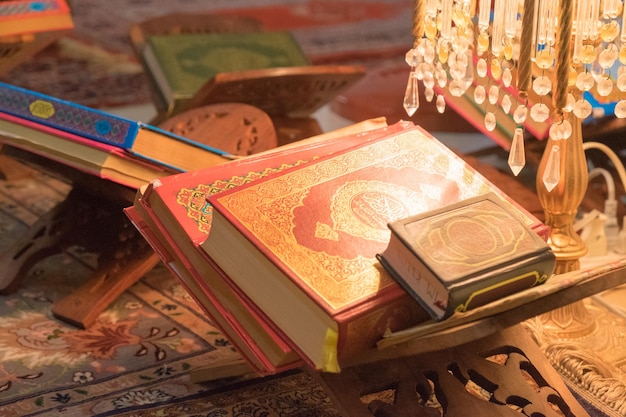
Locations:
{"points": [[585, 343]]}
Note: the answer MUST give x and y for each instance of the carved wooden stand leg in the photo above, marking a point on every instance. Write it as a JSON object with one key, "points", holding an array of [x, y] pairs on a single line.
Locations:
{"points": [[97, 227], [505, 374]]}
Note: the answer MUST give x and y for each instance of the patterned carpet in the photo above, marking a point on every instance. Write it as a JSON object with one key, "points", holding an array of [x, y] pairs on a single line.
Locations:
{"points": [[137, 360], [138, 357]]}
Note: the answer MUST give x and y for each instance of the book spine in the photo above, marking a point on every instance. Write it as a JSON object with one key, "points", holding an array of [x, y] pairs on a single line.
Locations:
{"points": [[199, 287], [21, 9], [68, 116]]}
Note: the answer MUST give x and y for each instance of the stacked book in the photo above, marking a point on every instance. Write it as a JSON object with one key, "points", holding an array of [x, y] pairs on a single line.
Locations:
{"points": [[280, 249], [36, 126]]}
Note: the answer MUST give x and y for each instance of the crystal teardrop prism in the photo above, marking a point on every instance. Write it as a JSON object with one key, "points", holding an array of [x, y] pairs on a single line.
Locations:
{"points": [[517, 157], [552, 174], [411, 95]]}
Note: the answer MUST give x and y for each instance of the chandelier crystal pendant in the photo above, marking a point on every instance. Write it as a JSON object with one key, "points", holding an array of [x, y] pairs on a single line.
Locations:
{"points": [[561, 51]]}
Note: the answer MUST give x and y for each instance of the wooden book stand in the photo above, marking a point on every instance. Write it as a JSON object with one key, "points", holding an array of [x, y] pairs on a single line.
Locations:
{"points": [[178, 23], [95, 224], [505, 374], [290, 95], [91, 217]]}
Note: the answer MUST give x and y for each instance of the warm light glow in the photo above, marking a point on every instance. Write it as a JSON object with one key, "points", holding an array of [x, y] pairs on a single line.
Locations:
{"points": [[551, 53]]}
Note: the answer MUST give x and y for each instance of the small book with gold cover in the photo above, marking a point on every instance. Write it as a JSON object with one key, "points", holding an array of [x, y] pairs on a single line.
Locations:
{"points": [[465, 255]]}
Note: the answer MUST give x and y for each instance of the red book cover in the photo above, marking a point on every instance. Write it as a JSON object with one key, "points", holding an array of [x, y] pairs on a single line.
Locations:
{"points": [[177, 205], [210, 299], [32, 16], [302, 243]]}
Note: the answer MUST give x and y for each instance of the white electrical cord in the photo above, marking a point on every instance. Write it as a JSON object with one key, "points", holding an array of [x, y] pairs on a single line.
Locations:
{"points": [[621, 171], [608, 178], [610, 205]]}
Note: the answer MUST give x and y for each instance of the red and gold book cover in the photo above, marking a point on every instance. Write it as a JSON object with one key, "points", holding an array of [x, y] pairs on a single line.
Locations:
{"points": [[177, 208], [320, 226]]}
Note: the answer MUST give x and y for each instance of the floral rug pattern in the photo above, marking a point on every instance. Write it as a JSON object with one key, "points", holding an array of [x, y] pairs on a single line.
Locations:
{"points": [[139, 357], [136, 360], [139, 352]]}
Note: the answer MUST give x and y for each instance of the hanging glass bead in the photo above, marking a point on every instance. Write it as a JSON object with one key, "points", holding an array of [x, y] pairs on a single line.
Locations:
{"points": [[552, 174], [542, 85], [609, 31], [442, 77], [506, 103], [480, 94], [571, 77], [457, 88], [582, 109], [620, 109], [481, 68], [457, 70], [584, 81], [482, 43], [517, 157], [494, 94], [430, 29], [596, 71], [544, 59], [621, 82], [508, 48], [561, 131], [420, 70], [428, 79], [540, 112], [429, 53], [496, 69], [411, 95], [507, 77], [607, 57], [588, 54], [605, 86], [411, 57], [490, 121], [520, 114], [441, 104], [429, 94]]}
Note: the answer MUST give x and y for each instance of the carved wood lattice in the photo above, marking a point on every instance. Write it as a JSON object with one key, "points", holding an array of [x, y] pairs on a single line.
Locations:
{"points": [[502, 375]]}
